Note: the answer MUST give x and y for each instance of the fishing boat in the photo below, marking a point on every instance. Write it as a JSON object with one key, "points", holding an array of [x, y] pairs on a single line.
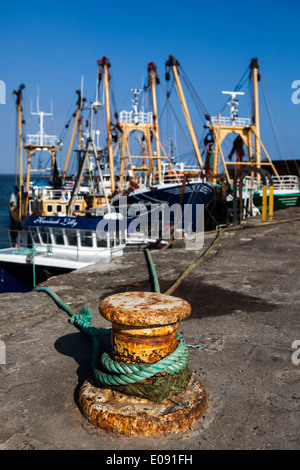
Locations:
{"points": [[146, 175], [245, 165], [43, 190], [50, 245], [151, 177]]}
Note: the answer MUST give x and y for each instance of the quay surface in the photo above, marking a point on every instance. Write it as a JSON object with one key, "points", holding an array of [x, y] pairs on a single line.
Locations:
{"points": [[245, 298]]}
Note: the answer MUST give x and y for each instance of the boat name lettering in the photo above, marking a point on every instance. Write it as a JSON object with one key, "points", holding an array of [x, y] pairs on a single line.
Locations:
{"points": [[62, 221]]}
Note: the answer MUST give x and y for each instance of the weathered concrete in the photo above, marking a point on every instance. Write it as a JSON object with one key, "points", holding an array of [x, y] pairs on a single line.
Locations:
{"points": [[245, 305]]}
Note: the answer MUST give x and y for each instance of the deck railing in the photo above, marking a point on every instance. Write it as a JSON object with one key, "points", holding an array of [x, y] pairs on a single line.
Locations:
{"points": [[228, 121], [140, 117], [285, 182]]}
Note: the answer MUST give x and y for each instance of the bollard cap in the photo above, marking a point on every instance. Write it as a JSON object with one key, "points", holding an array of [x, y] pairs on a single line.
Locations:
{"points": [[144, 309]]}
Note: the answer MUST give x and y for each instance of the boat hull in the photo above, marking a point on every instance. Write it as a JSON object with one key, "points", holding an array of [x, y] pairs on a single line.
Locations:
{"points": [[180, 207], [194, 193], [17, 277], [282, 200]]}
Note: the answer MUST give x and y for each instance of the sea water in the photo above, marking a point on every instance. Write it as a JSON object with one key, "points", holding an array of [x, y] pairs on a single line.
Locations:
{"points": [[7, 282], [7, 183]]}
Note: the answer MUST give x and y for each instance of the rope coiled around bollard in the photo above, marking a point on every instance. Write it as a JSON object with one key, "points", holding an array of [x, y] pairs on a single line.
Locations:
{"points": [[121, 373]]}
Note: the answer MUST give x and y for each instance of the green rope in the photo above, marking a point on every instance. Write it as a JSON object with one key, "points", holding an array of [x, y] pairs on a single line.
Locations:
{"points": [[170, 374], [121, 373], [29, 251], [153, 272]]}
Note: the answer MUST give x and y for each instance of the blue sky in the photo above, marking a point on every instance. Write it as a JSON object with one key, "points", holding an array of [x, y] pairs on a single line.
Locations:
{"points": [[52, 44]]}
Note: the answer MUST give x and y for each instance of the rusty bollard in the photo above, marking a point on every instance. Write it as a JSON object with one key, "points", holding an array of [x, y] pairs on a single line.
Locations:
{"points": [[144, 325], [144, 331]]}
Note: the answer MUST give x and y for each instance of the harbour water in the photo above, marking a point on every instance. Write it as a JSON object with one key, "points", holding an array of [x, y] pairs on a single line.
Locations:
{"points": [[8, 283], [7, 183]]}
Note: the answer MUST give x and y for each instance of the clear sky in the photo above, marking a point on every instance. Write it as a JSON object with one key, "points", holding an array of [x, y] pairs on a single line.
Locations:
{"points": [[51, 44]]}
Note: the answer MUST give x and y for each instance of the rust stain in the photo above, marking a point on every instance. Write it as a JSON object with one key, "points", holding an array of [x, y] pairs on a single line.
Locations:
{"points": [[142, 349], [119, 413]]}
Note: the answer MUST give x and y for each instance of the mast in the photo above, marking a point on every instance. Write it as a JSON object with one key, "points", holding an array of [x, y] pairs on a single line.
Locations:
{"points": [[254, 66], [248, 131], [104, 63], [84, 154], [147, 124], [40, 141], [79, 104], [18, 94], [153, 78], [41, 114], [173, 63]]}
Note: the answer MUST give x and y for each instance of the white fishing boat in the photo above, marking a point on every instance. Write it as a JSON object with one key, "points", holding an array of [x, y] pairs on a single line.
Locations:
{"points": [[51, 245]]}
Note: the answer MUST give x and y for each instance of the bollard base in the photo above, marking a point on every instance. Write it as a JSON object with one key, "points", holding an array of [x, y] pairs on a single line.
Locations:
{"points": [[124, 414]]}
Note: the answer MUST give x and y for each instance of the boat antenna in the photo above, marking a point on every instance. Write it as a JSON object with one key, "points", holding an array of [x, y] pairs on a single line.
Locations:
{"points": [[233, 103], [41, 137], [136, 93]]}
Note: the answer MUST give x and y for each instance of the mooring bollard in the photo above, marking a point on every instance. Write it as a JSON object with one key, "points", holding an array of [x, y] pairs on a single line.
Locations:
{"points": [[144, 336], [144, 325]]}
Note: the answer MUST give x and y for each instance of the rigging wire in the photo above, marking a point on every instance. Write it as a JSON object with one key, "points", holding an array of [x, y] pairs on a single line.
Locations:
{"points": [[113, 96], [67, 120], [168, 106], [281, 125], [239, 85], [203, 113], [165, 107], [175, 115], [194, 94], [16, 144], [273, 129], [125, 100]]}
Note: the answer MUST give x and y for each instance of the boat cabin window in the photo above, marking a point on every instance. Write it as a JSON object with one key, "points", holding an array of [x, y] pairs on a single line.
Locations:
{"points": [[58, 237], [77, 207], [58, 207], [113, 239], [71, 237], [101, 239], [49, 208], [45, 235], [86, 238], [119, 237], [35, 235]]}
